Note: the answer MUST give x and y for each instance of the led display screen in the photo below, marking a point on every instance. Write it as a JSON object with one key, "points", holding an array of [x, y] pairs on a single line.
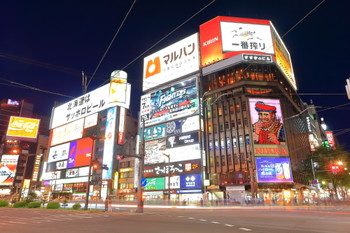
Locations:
{"points": [[274, 170]]}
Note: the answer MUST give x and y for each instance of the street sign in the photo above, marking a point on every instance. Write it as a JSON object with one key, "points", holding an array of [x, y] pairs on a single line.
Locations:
{"points": [[143, 182]]}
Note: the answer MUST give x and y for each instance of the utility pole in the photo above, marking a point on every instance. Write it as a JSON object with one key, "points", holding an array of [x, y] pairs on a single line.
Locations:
{"points": [[141, 161]]}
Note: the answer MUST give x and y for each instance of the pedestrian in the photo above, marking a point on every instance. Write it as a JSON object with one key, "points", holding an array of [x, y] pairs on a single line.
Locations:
{"points": [[109, 204], [106, 204]]}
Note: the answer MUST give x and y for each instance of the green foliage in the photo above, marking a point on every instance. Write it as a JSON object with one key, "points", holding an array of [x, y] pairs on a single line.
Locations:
{"points": [[53, 205], [20, 204], [34, 204], [4, 203], [323, 158], [31, 197], [76, 206]]}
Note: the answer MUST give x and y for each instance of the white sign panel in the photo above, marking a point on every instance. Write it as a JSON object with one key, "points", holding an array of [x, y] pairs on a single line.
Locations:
{"points": [[90, 120], [74, 172], [174, 182], [85, 105], [69, 132], [58, 153], [184, 153], [172, 62], [83, 171], [246, 37], [51, 175], [61, 165]]}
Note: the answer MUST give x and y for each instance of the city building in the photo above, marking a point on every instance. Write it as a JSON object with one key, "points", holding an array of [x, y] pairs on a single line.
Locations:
{"points": [[86, 135]]}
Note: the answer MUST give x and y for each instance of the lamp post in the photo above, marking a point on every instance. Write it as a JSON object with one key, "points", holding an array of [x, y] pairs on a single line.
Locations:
{"points": [[93, 137], [168, 156]]}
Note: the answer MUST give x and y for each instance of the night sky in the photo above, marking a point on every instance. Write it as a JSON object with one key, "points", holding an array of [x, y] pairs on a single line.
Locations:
{"points": [[46, 45]]}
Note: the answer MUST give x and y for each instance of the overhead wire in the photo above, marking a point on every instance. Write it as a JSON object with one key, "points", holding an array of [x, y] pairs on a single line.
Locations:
{"points": [[164, 37], [20, 85], [110, 44]]}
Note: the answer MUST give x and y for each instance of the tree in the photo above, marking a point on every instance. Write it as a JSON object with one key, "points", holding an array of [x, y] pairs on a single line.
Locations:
{"points": [[329, 165]]}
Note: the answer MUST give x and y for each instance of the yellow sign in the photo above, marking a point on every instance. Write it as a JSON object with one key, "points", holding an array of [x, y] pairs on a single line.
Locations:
{"points": [[23, 127], [26, 184]]}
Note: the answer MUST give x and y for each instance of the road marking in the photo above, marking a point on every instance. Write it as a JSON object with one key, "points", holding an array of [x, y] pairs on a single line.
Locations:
{"points": [[190, 217], [202, 220], [180, 216], [245, 229], [229, 225], [215, 222]]}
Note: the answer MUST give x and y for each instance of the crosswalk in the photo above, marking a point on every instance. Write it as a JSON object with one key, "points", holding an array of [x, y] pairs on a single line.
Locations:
{"points": [[49, 218]]}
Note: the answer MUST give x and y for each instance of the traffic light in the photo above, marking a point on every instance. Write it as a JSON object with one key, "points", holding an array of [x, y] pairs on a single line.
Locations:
{"points": [[334, 168], [120, 157], [95, 164]]}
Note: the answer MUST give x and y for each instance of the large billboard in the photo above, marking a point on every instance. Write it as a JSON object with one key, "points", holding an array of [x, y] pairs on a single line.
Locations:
{"points": [[225, 37], [172, 62], [23, 127], [268, 131], [283, 59], [85, 105], [109, 143], [8, 167], [274, 170], [170, 103], [80, 153]]}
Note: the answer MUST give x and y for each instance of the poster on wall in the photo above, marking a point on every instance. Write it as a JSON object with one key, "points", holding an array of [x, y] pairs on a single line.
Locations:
{"points": [[171, 103], [274, 170], [8, 167]]}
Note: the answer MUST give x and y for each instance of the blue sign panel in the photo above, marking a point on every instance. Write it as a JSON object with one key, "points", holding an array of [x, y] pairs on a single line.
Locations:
{"points": [[193, 181], [274, 170]]}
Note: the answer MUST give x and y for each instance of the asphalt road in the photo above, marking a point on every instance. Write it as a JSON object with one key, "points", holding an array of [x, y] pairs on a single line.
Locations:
{"points": [[176, 220]]}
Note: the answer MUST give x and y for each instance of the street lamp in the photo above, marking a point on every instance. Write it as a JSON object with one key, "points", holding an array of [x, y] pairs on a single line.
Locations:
{"points": [[168, 156], [91, 165]]}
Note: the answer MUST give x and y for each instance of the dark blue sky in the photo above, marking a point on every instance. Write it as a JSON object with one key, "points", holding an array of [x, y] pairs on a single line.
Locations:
{"points": [[46, 44]]}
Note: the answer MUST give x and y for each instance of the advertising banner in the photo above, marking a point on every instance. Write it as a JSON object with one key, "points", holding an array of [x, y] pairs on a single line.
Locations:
{"points": [[155, 183], [177, 168], [109, 143], [224, 37], [8, 167], [182, 126], [246, 37], [154, 132], [80, 153], [283, 59], [85, 105], [170, 63], [69, 132], [267, 121], [174, 102], [61, 165], [274, 170], [193, 181], [330, 139], [23, 127], [154, 151], [182, 140], [58, 153], [174, 182]]}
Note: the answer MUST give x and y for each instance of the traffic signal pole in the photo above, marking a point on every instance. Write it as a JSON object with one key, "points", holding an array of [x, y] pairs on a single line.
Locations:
{"points": [[139, 208]]}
